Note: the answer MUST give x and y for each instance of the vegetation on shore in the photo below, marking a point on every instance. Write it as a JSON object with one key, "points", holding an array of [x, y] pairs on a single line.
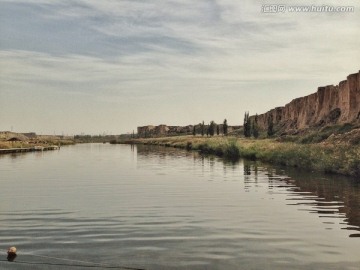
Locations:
{"points": [[24, 144], [10, 139], [341, 158]]}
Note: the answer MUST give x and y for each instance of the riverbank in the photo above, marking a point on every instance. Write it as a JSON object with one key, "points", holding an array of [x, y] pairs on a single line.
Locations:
{"points": [[340, 158], [13, 142], [27, 144]]}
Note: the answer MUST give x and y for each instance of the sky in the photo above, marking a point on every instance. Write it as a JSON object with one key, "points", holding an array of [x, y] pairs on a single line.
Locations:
{"points": [[105, 67]]}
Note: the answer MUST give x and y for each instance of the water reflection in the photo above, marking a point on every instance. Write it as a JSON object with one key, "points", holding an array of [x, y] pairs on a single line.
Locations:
{"points": [[328, 196], [14, 155]]}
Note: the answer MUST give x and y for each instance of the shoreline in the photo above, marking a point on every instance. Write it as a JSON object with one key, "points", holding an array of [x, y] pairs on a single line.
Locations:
{"points": [[332, 158]]}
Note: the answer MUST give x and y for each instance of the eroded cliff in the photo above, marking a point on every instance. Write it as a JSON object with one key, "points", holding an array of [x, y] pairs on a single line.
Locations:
{"points": [[329, 105]]}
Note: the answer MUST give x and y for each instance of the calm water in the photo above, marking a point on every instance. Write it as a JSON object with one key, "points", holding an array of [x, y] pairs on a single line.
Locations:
{"points": [[163, 208]]}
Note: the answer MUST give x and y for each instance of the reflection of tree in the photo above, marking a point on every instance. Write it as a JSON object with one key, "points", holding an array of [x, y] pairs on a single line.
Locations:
{"points": [[256, 172], [212, 162], [247, 172], [247, 169], [270, 176]]}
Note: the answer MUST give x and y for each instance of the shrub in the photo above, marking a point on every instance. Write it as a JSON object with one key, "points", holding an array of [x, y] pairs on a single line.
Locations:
{"points": [[232, 151], [188, 145], [219, 151]]}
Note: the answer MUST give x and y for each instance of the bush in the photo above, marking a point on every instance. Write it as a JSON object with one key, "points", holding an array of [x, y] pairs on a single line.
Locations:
{"points": [[232, 151], [219, 151], [188, 146], [314, 137]]}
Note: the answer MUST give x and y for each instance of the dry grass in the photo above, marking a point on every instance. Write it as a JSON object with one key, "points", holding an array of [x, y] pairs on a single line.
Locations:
{"points": [[26, 144]]}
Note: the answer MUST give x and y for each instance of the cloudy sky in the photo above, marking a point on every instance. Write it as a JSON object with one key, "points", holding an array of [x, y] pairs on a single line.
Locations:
{"points": [[73, 66]]}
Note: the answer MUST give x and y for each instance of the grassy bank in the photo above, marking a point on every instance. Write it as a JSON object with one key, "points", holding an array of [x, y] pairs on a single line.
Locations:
{"points": [[25, 144], [332, 158]]}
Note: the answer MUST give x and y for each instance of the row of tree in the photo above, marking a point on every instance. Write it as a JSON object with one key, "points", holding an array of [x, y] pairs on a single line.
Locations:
{"points": [[211, 129], [251, 127]]}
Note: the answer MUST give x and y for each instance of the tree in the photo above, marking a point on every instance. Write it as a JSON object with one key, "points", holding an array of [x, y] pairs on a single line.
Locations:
{"points": [[194, 131], [270, 130], [255, 127], [212, 128], [218, 130], [247, 125], [202, 127], [225, 127]]}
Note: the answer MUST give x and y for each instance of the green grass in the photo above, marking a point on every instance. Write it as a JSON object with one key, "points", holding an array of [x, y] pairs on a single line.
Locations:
{"points": [[331, 158]]}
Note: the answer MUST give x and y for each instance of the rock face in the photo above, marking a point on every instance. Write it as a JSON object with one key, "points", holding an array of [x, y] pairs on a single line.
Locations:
{"points": [[329, 105]]}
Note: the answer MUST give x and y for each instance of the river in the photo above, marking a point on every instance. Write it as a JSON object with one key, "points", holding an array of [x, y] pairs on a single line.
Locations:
{"points": [[147, 207]]}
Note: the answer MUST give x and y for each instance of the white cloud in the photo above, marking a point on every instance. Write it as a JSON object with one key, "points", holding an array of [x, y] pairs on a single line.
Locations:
{"points": [[121, 52]]}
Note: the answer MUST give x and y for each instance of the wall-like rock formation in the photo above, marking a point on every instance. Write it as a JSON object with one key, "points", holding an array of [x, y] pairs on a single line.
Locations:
{"points": [[329, 105]]}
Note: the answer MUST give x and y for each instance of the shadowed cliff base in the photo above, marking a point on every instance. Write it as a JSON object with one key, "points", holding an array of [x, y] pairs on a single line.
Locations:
{"points": [[330, 156]]}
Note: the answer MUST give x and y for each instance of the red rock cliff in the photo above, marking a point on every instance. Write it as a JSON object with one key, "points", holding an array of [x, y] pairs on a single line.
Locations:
{"points": [[329, 105]]}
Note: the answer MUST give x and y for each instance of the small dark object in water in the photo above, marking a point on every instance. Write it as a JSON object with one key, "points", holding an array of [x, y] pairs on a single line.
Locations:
{"points": [[11, 250], [11, 257], [11, 254]]}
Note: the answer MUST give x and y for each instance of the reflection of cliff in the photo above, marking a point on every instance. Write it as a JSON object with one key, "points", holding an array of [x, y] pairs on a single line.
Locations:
{"points": [[329, 105], [327, 196]]}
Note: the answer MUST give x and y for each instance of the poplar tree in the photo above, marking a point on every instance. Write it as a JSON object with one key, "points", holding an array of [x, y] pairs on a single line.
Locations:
{"points": [[247, 125], [255, 127], [212, 128], [225, 127], [270, 131]]}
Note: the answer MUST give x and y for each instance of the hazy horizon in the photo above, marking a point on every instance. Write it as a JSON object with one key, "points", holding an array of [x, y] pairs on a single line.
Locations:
{"points": [[86, 66]]}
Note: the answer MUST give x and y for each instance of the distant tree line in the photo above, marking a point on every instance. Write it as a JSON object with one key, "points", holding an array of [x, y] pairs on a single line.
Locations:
{"points": [[211, 129], [250, 127], [95, 138]]}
